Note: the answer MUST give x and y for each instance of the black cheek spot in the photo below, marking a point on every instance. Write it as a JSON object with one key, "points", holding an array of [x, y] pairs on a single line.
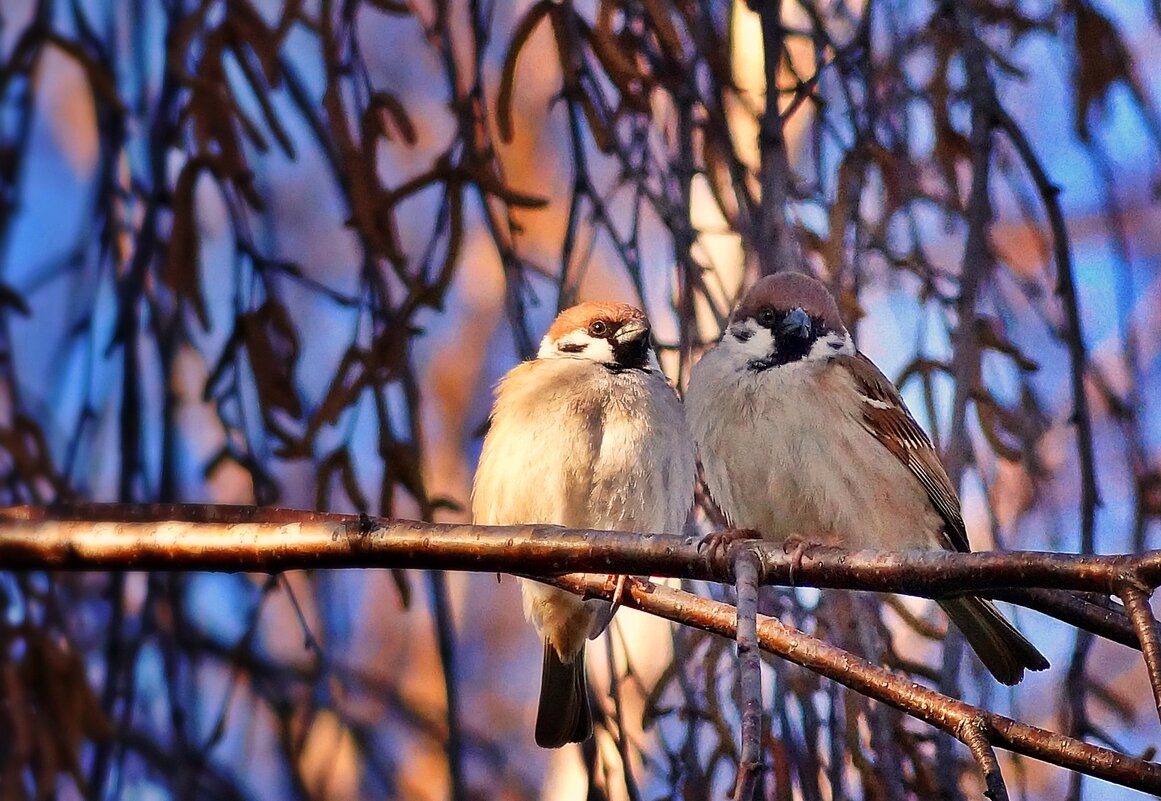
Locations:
{"points": [[571, 347], [836, 346], [743, 335]]}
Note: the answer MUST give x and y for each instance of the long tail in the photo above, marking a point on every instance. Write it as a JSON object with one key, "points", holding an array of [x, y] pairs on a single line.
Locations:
{"points": [[563, 714], [1001, 648]]}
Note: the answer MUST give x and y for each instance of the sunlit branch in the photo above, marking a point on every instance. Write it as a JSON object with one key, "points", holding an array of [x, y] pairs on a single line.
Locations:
{"points": [[233, 538], [970, 724]]}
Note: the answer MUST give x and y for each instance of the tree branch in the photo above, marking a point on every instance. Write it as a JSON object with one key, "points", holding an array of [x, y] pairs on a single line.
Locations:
{"points": [[205, 537], [963, 721], [1136, 600], [747, 570], [235, 538]]}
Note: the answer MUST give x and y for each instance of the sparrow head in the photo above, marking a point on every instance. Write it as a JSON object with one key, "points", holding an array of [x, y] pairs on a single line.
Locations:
{"points": [[613, 334], [784, 319]]}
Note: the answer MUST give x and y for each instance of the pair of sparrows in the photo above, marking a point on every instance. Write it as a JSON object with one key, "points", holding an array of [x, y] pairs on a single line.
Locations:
{"points": [[799, 435]]}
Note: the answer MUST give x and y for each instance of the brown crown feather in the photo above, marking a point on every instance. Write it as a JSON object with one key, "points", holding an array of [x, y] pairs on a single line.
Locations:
{"points": [[785, 291], [582, 314]]}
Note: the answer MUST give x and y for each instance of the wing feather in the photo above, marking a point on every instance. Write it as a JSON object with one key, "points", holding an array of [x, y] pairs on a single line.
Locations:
{"points": [[886, 418]]}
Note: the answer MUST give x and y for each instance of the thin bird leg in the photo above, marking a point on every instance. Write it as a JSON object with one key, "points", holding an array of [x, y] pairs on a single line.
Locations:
{"points": [[797, 547], [717, 544], [618, 592]]}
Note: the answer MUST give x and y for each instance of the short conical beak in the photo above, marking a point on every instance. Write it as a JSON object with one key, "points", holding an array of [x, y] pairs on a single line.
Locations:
{"points": [[796, 323], [631, 331]]}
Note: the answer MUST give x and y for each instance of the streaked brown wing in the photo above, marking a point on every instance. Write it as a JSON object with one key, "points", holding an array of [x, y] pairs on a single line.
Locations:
{"points": [[886, 417]]}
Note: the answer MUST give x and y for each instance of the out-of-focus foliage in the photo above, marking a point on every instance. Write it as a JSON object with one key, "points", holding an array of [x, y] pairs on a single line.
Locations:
{"points": [[278, 253]]}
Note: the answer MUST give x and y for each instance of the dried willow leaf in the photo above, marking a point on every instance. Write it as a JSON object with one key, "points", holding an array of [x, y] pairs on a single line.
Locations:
{"points": [[349, 380], [520, 36], [922, 366], [339, 462], [181, 272], [898, 175], [1101, 60], [993, 419], [1149, 494], [385, 110], [246, 25], [951, 148], [14, 300], [272, 345], [64, 712], [494, 186], [667, 36], [599, 127], [990, 334], [389, 6], [632, 84]]}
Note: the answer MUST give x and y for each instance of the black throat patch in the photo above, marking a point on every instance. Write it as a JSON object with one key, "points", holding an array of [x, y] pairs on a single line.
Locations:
{"points": [[632, 355], [788, 348]]}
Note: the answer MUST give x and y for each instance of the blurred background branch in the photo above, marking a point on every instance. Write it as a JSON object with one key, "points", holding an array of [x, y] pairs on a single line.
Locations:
{"points": [[272, 252]]}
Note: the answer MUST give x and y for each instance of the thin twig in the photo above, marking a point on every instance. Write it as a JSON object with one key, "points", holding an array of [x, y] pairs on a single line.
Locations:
{"points": [[977, 742], [746, 581], [1136, 599], [446, 638]]}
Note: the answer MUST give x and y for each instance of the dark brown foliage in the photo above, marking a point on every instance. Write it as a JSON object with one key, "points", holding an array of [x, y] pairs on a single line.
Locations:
{"points": [[888, 153]]}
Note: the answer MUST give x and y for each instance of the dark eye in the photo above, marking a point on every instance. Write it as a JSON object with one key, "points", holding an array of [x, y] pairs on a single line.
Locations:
{"points": [[598, 328], [766, 317]]}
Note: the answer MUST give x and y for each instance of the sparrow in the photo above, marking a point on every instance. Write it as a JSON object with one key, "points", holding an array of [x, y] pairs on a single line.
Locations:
{"points": [[589, 434], [801, 436]]}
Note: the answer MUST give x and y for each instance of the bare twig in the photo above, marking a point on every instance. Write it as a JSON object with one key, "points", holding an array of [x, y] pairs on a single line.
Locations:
{"points": [[977, 742], [445, 636], [746, 580], [1136, 599], [1077, 356]]}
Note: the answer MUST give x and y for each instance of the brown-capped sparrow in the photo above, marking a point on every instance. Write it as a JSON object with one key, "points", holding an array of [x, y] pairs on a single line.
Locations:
{"points": [[589, 434], [801, 436]]}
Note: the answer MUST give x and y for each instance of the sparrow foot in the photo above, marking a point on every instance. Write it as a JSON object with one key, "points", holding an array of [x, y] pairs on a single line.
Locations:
{"points": [[797, 547], [718, 544], [618, 592]]}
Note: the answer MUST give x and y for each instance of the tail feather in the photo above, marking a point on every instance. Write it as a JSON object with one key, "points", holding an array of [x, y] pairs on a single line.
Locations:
{"points": [[1002, 649], [563, 714]]}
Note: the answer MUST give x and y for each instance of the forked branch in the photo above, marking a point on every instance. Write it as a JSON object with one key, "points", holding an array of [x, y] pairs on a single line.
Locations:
{"points": [[977, 728]]}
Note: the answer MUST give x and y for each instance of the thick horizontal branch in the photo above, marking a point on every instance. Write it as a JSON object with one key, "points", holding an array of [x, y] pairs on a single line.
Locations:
{"points": [[232, 538], [960, 719], [207, 537], [229, 538]]}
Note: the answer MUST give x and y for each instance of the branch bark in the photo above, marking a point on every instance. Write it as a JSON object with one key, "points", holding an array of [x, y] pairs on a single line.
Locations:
{"points": [[963, 721], [748, 573], [236, 538], [231, 538], [775, 244]]}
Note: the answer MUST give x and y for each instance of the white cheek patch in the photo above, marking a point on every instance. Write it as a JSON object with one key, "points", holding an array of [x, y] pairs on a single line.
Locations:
{"points": [[749, 340], [576, 345], [833, 344]]}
